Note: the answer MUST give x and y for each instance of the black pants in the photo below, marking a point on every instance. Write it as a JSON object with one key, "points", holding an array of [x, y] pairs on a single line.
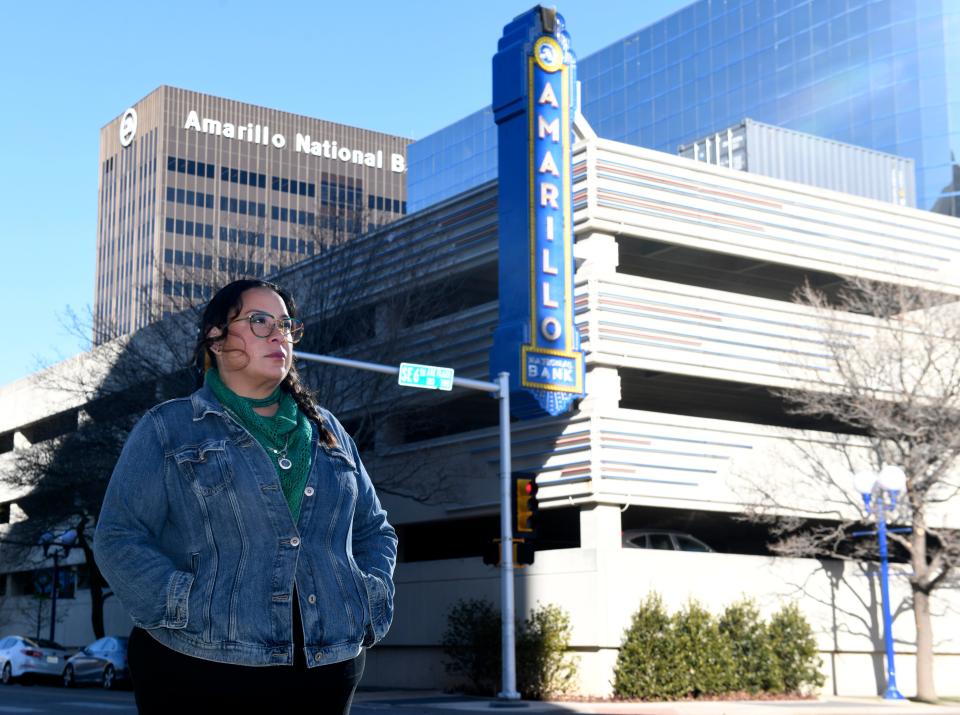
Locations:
{"points": [[171, 683]]}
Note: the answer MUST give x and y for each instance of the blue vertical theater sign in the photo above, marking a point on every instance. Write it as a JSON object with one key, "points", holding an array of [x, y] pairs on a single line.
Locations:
{"points": [[534, 97]]}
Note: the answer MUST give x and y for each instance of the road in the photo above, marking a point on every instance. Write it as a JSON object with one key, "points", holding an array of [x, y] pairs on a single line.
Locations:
{"points": [[39, 698], [54, 699]]}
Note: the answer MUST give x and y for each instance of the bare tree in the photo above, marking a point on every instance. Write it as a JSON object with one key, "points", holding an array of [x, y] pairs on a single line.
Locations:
{"points": [[62, 476], [19, 611], [891, 395], [351, 310]]}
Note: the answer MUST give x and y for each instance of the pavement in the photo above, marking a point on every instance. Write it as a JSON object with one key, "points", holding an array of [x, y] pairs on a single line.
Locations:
{"points": [[437, 703], [54, 700]]}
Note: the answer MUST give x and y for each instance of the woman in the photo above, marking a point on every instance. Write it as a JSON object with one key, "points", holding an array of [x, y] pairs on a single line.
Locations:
{"points": [[241, 531]]}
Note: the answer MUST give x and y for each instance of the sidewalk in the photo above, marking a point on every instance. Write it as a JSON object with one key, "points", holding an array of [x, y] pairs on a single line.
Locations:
{"points": [[437, 703]]}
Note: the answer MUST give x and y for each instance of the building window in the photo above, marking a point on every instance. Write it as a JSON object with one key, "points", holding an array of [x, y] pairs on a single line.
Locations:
{"points": [[246, 238], [189, 228], [243, 177], [303, 218], [190, 198], [189, 167], [293, 186]]}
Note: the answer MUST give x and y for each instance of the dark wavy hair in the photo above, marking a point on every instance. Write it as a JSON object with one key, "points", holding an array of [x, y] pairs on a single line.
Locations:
{"points": [[225, 305]]}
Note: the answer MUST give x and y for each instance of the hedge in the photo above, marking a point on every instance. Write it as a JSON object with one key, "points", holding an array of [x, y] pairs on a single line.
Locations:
{"points": [[693, 653]]}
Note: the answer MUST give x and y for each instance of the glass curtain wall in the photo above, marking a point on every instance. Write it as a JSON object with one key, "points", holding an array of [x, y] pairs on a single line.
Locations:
{"points": [[877, 73]]}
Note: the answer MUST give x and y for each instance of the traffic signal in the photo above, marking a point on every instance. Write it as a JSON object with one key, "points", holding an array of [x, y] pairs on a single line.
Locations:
{"points": [[491, 553], [523, 553], [524, 505]]}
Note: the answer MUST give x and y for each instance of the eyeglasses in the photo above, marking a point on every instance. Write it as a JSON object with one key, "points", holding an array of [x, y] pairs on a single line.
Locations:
{"points": [[263, 324]]}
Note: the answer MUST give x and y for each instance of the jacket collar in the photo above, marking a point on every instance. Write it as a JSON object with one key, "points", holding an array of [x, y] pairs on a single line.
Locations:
{"points": [[204, 402]]}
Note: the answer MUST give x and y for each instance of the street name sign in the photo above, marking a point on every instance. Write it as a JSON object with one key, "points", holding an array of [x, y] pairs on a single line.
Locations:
{"points": [[428, 377]]}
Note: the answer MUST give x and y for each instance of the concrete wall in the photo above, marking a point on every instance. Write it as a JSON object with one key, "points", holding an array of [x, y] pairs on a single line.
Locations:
{"points": [[601, 589], [18, 615]]}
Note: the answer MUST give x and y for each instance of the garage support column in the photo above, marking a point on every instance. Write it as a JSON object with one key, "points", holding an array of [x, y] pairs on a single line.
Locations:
{"points": [[598, 627], [597, 255], [603, 392], [600, 527]]}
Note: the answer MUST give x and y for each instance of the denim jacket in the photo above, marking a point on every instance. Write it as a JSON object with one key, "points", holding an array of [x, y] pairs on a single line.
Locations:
{"points": [[196, 539]]}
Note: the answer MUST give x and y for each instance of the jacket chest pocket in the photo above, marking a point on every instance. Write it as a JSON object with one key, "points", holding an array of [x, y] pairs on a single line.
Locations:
{"points": [[205, 467]]}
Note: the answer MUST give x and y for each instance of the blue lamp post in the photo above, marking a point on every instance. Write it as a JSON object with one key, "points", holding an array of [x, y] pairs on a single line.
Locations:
{"points": [[880, 492]]}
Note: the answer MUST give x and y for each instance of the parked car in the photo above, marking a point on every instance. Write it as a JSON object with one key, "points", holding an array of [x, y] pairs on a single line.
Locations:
{"points": [[662, 539], [103, 662], [20, 656]]}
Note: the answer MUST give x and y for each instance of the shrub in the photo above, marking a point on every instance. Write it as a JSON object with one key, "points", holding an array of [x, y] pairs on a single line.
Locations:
{"points": [[472, 641], [792, 641], [648, 665], [755, 667], [705, 654], [692, 653], [544, 667]]}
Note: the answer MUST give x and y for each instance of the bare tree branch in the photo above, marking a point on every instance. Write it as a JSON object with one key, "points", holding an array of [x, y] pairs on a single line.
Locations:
{"points": [[60, 479], [894, 380]]}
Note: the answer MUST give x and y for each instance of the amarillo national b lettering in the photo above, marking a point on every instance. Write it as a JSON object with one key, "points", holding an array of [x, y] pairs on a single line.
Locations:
{"points": [[549, 154]]}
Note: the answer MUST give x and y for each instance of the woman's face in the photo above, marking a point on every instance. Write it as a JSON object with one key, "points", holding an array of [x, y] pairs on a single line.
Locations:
{"points": [[248, 362]]}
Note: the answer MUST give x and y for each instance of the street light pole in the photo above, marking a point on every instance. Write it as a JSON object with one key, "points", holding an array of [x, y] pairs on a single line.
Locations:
{"points": [[60, 545], [507, 607], [501, 390], [886, 485], [891, 693], [53, 595]]}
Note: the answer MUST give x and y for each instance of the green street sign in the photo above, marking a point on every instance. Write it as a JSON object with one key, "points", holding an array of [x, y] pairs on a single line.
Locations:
{"points": [[428, 377]]}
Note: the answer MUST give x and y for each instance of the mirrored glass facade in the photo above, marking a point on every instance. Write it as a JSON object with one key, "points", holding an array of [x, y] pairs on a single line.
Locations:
{"points": [[877, 73]]}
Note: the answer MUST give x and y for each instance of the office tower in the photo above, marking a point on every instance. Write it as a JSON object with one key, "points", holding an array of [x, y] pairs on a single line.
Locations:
{"points": [[195, 190]]}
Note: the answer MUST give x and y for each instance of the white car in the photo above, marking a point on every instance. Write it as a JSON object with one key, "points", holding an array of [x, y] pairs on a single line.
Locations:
{"points": [[21, 656], [663, 539]]}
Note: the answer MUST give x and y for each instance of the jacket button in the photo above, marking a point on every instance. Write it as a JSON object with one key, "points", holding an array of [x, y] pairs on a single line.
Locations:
{"points": [[308, 491], [295, 541], [311, 598], [317, 657]]}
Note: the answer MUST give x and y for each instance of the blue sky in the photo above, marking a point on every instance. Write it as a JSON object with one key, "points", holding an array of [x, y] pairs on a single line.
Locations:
{"points": [[406, 68]]}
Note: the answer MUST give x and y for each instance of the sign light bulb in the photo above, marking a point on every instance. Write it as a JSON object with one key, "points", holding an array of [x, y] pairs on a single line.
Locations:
{"points": [[864, 481]]}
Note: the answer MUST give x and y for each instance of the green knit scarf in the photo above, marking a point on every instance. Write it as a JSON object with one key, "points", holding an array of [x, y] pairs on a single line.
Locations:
{"points": [[289, 428]]}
